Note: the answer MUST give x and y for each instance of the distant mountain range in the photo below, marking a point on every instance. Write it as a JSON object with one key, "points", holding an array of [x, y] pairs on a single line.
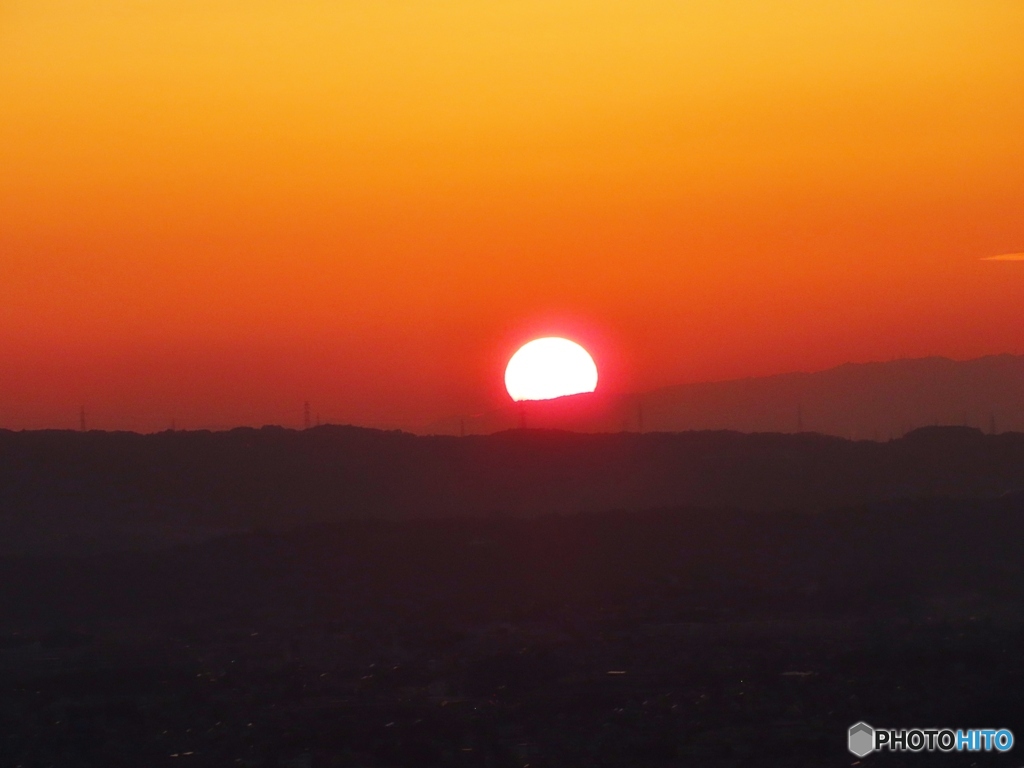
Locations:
{"points": [[101, 491], [874, 401]]}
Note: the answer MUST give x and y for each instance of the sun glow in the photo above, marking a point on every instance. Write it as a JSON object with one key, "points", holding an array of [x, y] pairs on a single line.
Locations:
{"points": [[550, 367]]}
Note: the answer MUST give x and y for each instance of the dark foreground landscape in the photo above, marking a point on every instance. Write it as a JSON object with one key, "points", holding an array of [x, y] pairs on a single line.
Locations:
{"points": [[679, 635]]}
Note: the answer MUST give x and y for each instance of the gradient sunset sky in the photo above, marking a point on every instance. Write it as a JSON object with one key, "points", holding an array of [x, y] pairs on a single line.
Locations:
{"points": [[211, 211]]}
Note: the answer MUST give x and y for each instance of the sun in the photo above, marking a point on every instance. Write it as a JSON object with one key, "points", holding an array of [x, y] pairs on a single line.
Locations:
{"points": [[550, 367]]}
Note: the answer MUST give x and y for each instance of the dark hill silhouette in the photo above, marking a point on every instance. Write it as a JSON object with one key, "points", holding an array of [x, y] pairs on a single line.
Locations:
{"points": [[292, 623], [94, 491], [859, 400]]}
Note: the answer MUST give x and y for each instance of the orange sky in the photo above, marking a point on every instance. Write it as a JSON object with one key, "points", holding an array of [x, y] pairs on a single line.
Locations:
{"points": [[213, 210]]}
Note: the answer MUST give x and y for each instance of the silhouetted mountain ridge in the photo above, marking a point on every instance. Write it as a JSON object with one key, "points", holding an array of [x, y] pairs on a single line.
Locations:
{"points": [[96, 490], [877, 400]]}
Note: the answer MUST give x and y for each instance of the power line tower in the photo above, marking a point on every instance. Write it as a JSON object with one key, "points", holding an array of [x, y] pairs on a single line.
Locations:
{"points": [[305, 415]]}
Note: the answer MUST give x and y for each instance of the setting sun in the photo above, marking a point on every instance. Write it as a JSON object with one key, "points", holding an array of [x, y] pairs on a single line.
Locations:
{"points": [[548, 368]]}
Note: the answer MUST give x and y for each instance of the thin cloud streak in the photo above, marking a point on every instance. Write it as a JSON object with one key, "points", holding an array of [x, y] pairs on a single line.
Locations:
{"points": [[1005, 257]]}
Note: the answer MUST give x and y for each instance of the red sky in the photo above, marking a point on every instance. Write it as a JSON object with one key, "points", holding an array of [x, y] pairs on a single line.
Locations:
{"points": [[213, 211]]}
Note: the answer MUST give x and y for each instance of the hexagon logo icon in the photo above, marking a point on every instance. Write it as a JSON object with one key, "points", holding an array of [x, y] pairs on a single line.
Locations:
{"points": [[861, 739]]}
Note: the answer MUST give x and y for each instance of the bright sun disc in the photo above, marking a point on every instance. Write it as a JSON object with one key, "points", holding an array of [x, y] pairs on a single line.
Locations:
{"points": [[551, 367]]}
